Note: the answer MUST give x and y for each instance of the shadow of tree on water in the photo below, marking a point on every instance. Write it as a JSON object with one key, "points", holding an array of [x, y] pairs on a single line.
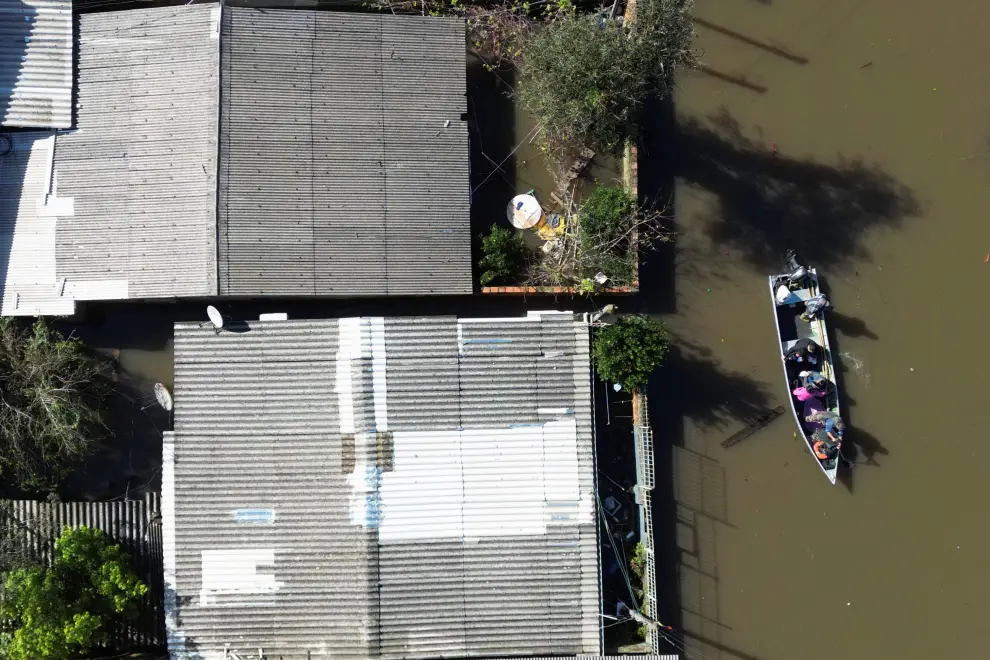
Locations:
{"points": [[769, 202], [706, 394]]}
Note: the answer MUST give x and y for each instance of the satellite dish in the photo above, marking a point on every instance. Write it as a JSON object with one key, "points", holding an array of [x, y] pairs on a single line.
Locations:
{"points": [[164, 398], [216, 318]]}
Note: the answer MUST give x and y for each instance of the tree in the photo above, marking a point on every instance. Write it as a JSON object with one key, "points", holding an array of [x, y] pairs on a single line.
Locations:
{"points": [[504, 257], [629, 350], [68, 609], [586, 78], [51, 391]]}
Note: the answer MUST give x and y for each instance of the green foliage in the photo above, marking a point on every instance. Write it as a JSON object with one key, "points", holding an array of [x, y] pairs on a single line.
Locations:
{"points": [[606, 216], [68, 609], [638, 561], [504, 257], [51, 390], [586, 78], [629, 350], [606, 220], [642, 631]]}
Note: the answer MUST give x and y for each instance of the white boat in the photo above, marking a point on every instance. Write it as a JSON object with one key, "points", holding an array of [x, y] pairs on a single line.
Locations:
{"points": [[788, 305]]}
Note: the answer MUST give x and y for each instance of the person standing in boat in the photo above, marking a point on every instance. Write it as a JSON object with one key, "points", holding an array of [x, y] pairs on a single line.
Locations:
{"points": [[804, 350], [815, 306]]}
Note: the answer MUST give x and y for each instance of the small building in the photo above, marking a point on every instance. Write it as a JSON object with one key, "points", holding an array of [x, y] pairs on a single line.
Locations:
{"points": [[244, 153], [393, 488]]}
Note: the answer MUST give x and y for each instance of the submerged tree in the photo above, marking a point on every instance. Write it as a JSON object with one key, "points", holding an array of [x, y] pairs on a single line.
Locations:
{"points": [[629, 350], [65, 610], [586, 78], [51, 391]]}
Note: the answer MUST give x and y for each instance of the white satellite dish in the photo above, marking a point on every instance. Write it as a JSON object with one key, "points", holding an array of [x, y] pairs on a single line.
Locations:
{"points": [[216, 318], [164, 398]]}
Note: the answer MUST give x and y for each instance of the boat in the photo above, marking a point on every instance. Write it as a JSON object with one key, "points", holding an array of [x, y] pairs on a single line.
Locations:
{"points": [[789, 291]]}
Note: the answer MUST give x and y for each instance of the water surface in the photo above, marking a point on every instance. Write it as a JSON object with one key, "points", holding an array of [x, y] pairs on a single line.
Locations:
{"points": [[879, 113]]}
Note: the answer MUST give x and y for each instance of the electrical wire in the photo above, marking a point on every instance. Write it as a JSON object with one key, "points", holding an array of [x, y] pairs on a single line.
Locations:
{"points": [[499, 166], [608, 532], [620, 621]]}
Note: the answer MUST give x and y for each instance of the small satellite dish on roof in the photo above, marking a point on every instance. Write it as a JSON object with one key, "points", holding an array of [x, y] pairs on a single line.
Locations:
{"points": [[216, 318], [164, 398]]}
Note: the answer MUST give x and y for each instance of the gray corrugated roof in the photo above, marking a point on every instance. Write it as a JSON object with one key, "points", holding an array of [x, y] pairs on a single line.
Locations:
{"points": [[343, 155], [141, 168], [382, 488], [28, 529], [36, 63]]}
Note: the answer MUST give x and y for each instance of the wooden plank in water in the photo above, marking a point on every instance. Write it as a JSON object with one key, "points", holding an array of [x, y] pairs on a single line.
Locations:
{"points": [[755, 425]]}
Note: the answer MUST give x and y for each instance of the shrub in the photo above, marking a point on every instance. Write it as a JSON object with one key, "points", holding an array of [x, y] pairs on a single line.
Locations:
{"points": [[605, 218], [638, 561], [629, 350], [68, 609], [52, 390], [504, 257], [586, 78]]}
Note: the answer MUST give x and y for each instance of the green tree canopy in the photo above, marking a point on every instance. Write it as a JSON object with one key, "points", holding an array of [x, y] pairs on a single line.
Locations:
{"points": [[51, 391], [586, 78], [503, 257], [629, 350], [69, 608]]}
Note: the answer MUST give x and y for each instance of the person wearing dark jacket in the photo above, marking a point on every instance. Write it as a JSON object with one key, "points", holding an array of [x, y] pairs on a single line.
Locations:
{"points": [[804, 350]]}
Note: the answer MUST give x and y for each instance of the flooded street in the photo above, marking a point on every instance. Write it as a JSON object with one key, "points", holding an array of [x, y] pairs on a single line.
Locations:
{"points": [[858, 133]]}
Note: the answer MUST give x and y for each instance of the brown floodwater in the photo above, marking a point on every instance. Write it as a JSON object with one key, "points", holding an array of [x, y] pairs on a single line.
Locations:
{"points": [[879, 112]]}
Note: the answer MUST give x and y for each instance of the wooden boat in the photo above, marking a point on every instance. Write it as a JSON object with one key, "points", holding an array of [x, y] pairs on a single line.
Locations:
{"points": [[787, 309]]}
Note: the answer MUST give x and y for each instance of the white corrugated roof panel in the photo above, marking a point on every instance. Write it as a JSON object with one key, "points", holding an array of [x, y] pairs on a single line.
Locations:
{"points": [[36, 63], [27, 227]]}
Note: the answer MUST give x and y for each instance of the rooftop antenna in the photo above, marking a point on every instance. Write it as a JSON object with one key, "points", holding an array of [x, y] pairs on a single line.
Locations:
{"points": [[215, 317]]}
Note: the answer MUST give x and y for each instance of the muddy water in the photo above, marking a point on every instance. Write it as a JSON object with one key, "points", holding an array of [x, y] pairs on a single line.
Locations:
{"points": [[880, 115]]}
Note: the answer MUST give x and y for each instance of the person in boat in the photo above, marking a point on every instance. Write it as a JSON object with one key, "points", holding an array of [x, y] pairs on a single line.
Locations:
{"points": [[825, 446], [804, 350], [815, 306], [802, 393], [814, 382], [832, 424], [810, 385]]}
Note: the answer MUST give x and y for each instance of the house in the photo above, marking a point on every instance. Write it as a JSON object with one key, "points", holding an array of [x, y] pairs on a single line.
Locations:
{"points": [[382, 488], [246, 153]]}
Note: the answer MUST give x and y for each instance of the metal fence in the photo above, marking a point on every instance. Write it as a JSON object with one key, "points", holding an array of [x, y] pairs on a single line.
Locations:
{"points": [[28, 530], [646, 480]]}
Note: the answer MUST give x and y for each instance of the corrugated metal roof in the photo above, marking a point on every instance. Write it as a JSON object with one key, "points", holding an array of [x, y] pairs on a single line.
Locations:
{"points": [[36, 63], [27, 227], [382, 488], [343, 155], [141, 168], [29, 529]]}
